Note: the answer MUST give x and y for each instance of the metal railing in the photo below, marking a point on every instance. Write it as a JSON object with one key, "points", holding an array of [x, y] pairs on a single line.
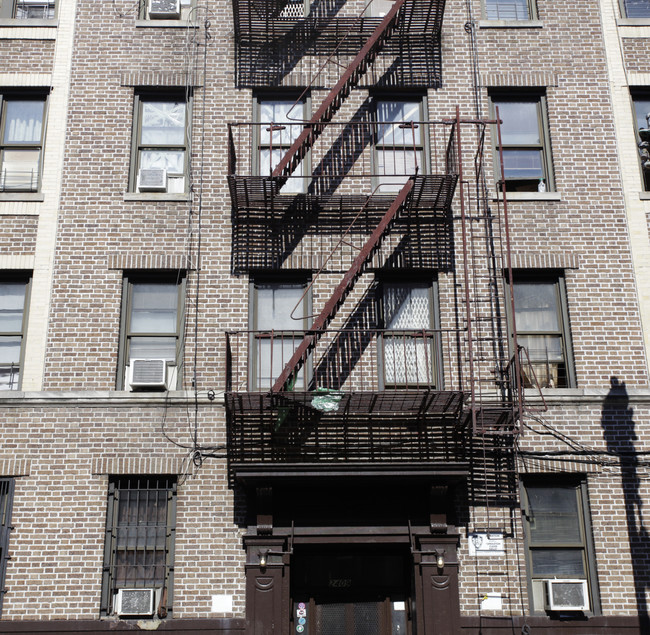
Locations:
{"points": [[19, 180]]}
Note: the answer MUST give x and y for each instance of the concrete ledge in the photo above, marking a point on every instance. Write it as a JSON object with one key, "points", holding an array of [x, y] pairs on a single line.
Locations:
{"points": [[153, 196], [118, 398], [529, 196], [510, 24]]}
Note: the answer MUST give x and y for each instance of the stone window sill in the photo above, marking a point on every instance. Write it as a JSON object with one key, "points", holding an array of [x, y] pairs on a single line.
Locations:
{"points": [[633, 22], [530, 196], [37, 197], [510, 24], [155, 196], [173, 24]]}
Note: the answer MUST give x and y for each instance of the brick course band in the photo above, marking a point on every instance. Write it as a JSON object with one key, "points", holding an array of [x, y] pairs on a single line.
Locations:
{"points": [[15, 467], [552, 260], [161, 78], [135, 465], [149, 261], [498, 80]]}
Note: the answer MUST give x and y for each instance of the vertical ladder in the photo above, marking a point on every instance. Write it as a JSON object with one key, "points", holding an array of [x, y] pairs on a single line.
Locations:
{"points": [[342, 290], [353, 73]]}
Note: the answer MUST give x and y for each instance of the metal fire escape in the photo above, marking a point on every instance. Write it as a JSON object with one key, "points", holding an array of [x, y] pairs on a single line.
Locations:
{"points": [[421, 421]]}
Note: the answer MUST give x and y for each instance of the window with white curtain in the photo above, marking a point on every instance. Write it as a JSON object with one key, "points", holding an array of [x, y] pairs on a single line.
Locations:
{"points": [[21, 142], [161, 140], [409, 341]]}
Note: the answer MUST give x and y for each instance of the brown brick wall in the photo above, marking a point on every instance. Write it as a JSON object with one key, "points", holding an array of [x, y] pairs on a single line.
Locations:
{"points": [[33, 56], [18, 235]]}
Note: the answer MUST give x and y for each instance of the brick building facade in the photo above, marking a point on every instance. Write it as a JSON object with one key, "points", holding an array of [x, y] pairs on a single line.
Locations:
{"points": [[192, 191]]}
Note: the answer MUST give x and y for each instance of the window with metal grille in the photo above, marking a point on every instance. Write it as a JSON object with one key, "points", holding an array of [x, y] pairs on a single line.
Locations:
{"points": [[6, 501], [509, 9], [139, 548]]}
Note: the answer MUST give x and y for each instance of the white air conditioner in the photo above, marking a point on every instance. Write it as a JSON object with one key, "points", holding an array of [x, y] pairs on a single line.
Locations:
{"points": [[148, 374], [152, 180], [135, 602], [165, 9], [567, 595]]}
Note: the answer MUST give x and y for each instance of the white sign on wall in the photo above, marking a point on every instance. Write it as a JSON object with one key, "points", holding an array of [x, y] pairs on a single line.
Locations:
{"points": [[484, 544]]}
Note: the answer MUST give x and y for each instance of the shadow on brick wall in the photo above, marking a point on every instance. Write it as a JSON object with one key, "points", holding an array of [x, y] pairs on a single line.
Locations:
{"points": [[619, 432]]}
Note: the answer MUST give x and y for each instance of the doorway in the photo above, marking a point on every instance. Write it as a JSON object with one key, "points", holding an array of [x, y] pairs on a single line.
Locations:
{"points": [[351, 590]]}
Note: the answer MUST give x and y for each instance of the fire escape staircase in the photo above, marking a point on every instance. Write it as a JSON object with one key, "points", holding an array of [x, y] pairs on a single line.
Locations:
{"points": [[295, 155], [353, 73]]}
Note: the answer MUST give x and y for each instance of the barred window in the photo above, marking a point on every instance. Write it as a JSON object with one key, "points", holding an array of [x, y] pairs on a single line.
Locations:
{"points": [[6, 500], [139, 549]]}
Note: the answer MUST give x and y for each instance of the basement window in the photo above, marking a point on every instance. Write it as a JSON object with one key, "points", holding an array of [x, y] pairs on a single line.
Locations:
{"points": [[509, 9], [139, 547]]}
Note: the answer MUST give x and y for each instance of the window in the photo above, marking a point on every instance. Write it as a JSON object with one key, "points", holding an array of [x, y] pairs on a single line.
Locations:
{"points": [[280, 124], [409, 344], [635, 8], [558, 536], [160, 162], [279, 311], [399, 145], [165, 9], [509, 9], [642, 113], [28, 9], [152, 318], [526, 147], [139, 548], [21, 142], [541, 318], [6, 501], [14, 299], [379, 8]]}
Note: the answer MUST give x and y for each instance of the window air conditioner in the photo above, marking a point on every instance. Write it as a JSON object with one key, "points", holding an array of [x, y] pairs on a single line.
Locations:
{"points": [[147, 374], [152, 180], [165, 9], [567, 595], [135, 602]]}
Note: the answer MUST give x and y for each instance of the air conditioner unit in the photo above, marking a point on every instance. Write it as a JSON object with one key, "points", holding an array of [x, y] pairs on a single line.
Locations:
{"points": [[147, 374], [135, 602], [152, 180], [165, 9], [567, 595]]}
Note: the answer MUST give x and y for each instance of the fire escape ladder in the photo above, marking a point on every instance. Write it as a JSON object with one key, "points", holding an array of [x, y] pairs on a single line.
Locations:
{"points": [[341, 292], [337, 95]]}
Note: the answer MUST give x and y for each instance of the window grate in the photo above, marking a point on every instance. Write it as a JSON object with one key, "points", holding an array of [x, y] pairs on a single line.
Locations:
{"points": [[140, 532]]}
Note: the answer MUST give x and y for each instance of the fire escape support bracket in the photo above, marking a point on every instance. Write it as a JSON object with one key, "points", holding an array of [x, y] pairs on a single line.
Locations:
{"points": [[344, 287]]}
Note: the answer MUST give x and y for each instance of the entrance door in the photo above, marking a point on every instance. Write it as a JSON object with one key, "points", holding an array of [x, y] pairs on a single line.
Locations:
{"points": [[347, 590]]}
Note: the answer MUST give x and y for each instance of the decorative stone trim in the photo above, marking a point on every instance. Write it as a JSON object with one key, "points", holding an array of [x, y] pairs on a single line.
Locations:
{"points": [[17, 262], [149, 261], [137, 465], [552, 260], [530, 80], [15, 467], [638, 79], [43, 80], [161, 78]]}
